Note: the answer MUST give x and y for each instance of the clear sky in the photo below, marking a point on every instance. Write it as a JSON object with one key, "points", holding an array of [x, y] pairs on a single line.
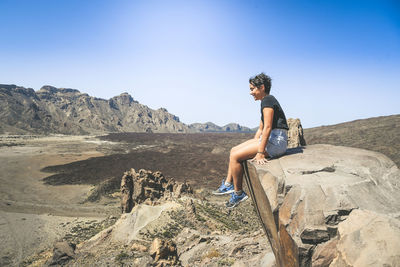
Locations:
{"points": [[330, 61]]}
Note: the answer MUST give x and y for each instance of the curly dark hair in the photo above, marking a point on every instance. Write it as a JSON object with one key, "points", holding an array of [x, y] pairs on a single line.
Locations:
{"points": [[261, 79]]}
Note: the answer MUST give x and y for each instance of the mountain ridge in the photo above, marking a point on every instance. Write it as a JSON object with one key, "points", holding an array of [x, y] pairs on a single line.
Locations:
{"points": [[69, 111]]}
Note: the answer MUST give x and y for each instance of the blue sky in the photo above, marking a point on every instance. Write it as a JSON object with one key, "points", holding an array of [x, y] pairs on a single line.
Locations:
{"points": [[330, 61]]}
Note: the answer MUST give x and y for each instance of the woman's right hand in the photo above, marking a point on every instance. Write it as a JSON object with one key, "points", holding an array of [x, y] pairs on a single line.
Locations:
{"points": [[259, 159]]}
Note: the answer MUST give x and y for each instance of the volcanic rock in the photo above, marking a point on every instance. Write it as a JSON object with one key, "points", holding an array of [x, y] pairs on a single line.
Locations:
{"points": [[187, 231], [139, 247], [147, 186], [295, 133], [126, 193], [62, 253], [368, 238], [325, 253], [163, 252], [338, 205]]}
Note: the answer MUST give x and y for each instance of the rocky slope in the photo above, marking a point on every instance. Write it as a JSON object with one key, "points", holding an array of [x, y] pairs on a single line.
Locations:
{"points": [[165, 224], [380, 134], [68, 111], [334, 206]]}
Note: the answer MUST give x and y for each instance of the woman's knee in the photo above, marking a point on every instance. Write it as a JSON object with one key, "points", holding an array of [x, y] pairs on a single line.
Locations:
{"points": [[236, 156], [233, 155], [234, 149], [244, 150]]}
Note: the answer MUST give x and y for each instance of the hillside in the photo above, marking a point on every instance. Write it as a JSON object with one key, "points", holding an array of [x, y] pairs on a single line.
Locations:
{"points": [[211, 127], [380, 134], [52, 110], [68, 111]]}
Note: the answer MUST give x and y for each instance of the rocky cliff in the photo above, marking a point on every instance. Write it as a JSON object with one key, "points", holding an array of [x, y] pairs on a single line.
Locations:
{"points": [[68, 111], [333, 206]]}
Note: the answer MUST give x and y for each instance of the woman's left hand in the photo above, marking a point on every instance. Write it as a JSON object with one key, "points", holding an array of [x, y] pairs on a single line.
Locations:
{"points": [[259, 159]]}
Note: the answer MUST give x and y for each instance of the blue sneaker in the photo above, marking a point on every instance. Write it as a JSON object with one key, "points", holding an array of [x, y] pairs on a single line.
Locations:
{"points": [[235, 200], [223, 189]]}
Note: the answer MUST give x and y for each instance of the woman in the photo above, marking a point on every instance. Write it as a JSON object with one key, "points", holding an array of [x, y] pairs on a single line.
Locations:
{"points": [[270, 140]]}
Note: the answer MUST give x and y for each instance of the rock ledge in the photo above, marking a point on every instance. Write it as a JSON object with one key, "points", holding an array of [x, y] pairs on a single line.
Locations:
{"points": [[334, 206]]}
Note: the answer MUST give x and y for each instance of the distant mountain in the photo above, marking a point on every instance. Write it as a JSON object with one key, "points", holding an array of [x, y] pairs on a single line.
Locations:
{"points": [[380, 134], [68, 111], [211, 127]]}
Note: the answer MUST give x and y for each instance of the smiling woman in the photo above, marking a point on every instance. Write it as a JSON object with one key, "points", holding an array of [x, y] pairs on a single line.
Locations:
{"points": [[270, 140]]}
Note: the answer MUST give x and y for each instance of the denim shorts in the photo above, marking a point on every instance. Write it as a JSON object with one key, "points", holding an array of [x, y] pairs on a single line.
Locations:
{"points": [[277, 143]]}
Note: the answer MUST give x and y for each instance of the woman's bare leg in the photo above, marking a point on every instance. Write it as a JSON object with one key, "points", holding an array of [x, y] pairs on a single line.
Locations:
{"points": [[243, 152], [229, 177]]}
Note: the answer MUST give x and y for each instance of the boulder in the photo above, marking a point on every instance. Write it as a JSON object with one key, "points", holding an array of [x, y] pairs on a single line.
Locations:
{"points": [[163, 251], [62, 253], [295, 133], [334, 206], [325, 253], [367, 238], [182, 188], [139, 247]]}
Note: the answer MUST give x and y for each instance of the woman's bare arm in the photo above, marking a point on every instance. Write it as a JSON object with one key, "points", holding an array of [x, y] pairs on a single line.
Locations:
{"points": [[268, 114], [259, 130]]}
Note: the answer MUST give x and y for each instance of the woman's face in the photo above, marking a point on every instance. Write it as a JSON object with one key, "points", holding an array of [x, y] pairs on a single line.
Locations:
{"points": [[257, 92]]}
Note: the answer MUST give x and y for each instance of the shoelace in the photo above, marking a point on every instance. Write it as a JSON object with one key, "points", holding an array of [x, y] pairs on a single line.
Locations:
{"points": [[222, 187], [235, 197]]}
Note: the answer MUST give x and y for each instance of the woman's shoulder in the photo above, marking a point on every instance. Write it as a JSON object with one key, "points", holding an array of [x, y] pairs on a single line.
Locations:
{"points": [[269, 98]]}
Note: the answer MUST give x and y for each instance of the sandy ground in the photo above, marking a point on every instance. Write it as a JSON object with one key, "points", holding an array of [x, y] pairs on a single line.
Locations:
{"points": [[34, 215]]}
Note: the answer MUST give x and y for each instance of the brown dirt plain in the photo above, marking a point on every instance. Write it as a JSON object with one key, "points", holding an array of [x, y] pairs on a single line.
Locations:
{"points": [[52, 185]]}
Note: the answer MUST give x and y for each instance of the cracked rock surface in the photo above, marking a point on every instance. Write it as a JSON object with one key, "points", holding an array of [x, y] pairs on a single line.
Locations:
{"points": [[338, 205]]}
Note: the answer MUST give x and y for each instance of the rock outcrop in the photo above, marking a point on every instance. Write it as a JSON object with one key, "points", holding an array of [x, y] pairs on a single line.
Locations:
{"points": [[295, 133], [174, 231], [163, 235], [147, 186], [335, 206], [62, 253], [164, 252], [365, 238]]}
